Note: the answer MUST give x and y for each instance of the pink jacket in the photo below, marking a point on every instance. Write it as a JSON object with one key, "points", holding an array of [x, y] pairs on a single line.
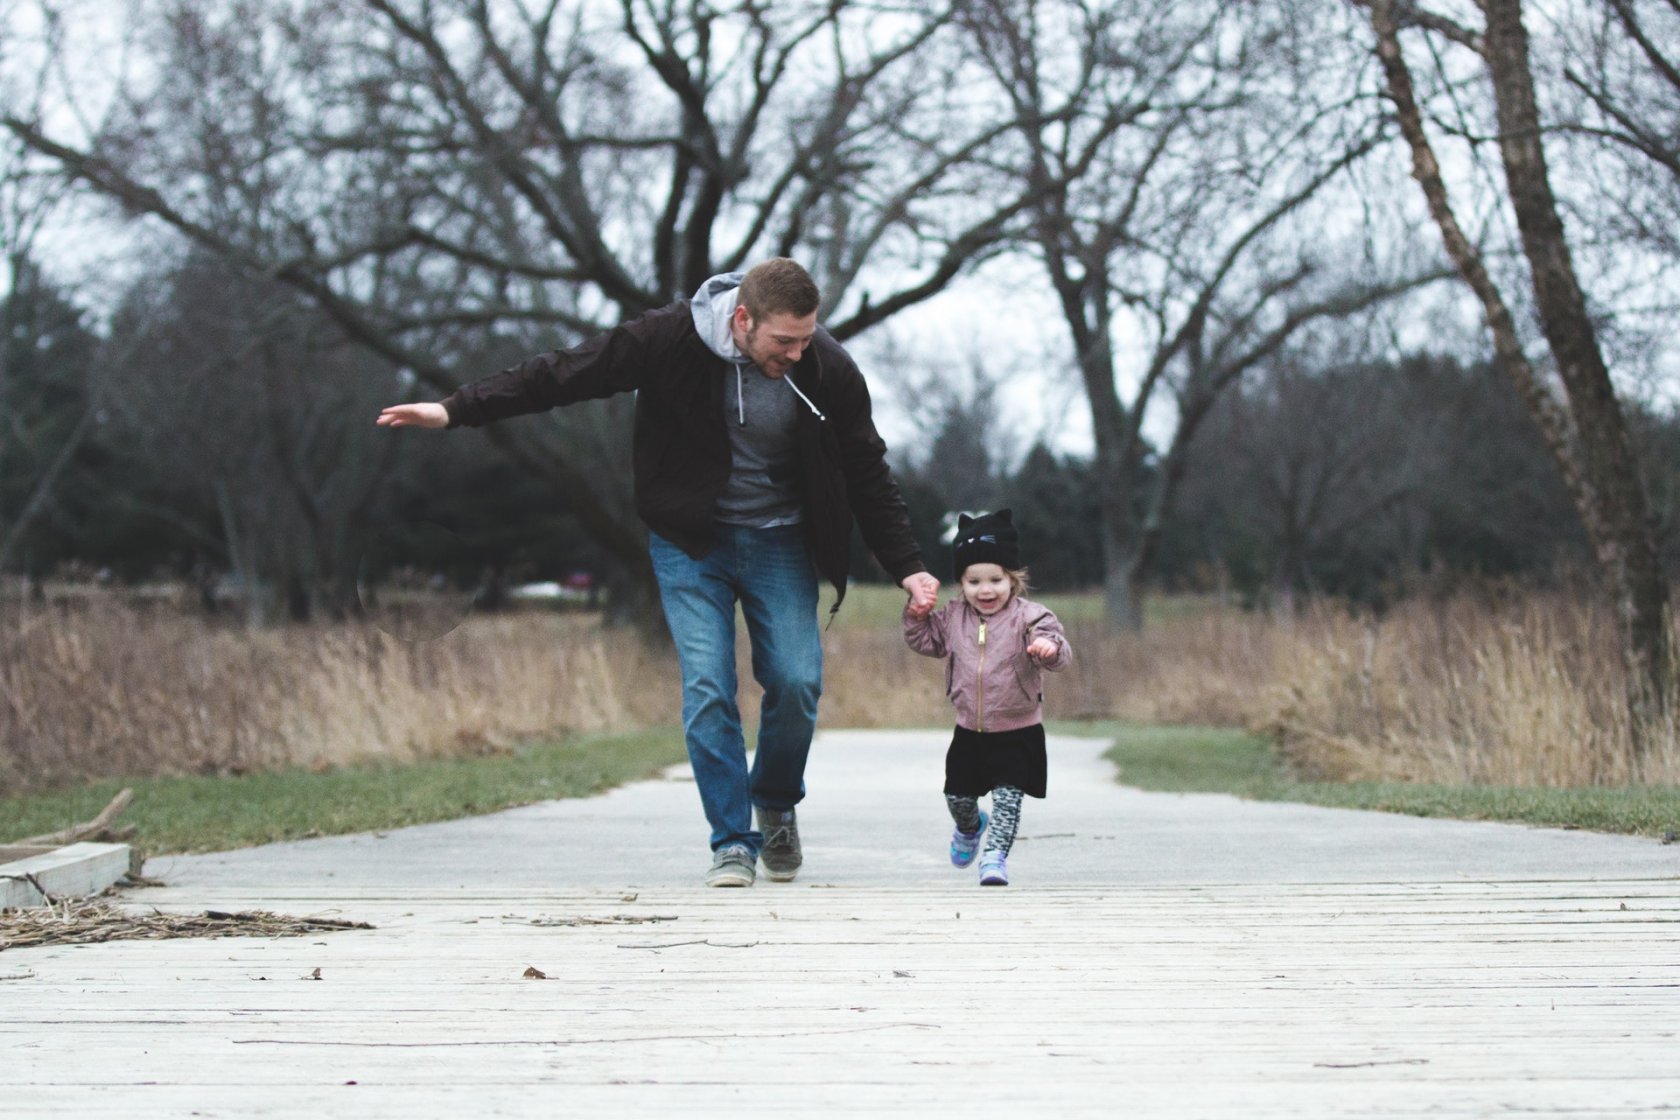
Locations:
{"points": [[989, 678]]}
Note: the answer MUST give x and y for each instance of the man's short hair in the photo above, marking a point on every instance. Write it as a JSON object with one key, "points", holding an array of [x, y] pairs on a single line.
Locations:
{"points": [[778, 286]]}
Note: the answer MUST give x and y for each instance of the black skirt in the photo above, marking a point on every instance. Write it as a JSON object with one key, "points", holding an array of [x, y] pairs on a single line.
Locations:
{"points": [[980, 761]]}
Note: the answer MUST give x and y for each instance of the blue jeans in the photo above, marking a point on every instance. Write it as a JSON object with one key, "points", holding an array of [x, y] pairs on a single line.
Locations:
{"points": [[769, 572]]}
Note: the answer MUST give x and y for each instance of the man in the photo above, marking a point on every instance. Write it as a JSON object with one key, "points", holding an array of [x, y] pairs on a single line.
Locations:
{"points": [[753, 452]]}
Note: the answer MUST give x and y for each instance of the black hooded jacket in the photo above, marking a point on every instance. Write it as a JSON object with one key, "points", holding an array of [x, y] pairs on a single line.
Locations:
{"points": [[681, 452]]}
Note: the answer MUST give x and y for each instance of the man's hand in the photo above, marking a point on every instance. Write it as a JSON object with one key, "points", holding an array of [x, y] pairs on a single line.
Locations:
{"points": [[1041, 649], [924, 594], [427, 415]]}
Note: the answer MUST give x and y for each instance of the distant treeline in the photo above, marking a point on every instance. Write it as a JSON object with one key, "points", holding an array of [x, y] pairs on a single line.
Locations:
{"points": [[1351, 480], [1307, 478]]}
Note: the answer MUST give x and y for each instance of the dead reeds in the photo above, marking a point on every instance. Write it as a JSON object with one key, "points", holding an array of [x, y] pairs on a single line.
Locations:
{"points": [[104, 689], [1508, 689], [1483, 687], [1524, 690]]}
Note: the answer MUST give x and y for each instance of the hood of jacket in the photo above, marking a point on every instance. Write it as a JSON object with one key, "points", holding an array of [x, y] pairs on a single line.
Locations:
{"points": [[712, 307]]}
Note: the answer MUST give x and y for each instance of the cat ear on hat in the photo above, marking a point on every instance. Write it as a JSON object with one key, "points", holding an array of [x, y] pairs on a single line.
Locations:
{"points": [[963, 521]]}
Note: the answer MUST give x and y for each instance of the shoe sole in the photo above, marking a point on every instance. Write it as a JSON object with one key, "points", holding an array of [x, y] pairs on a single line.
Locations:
{"points": [[994, 882], [781, 876], [729, 880]]}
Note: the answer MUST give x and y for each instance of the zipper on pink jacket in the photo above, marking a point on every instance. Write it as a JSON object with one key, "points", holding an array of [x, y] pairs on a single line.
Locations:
{"points": [[980, 705]]}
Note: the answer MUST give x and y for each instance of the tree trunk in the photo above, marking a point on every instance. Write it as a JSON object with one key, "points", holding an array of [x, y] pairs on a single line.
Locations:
{"points": [[1589, 442], [1122, 543], [1122, 602], [1287, 567], [1284, 603], [1626, 543], [1121, 546]]}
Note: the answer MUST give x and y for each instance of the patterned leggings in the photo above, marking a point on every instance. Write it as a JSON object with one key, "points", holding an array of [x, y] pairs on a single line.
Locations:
{"points": [[1006, 816]]}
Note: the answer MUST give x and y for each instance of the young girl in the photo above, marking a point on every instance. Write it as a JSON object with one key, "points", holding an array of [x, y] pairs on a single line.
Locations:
{"points": [[994, 643]]}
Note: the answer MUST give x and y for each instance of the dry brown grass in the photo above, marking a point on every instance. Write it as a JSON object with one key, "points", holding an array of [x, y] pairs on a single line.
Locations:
{"points": [[1513, 690], [1201, 663], [102, 689], [1206, 669], [1492, 688]]}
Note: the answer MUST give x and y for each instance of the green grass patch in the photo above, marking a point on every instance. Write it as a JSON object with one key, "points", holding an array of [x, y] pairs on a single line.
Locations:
{"points": [[1221, 760], [202, 814]]}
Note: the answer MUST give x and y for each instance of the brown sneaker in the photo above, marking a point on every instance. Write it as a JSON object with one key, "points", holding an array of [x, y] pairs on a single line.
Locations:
{"points": [[780, 854]]}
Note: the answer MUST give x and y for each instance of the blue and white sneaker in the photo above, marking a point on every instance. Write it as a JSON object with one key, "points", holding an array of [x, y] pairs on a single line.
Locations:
{"points": [[964, 845], [994, 870]]}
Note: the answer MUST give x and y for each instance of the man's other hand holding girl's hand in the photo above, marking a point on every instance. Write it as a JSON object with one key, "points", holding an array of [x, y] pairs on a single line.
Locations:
{"points": [[924, 594]]}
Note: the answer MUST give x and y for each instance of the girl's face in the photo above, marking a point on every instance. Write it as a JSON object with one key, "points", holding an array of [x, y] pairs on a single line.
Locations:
{"points": [[986, 587]]}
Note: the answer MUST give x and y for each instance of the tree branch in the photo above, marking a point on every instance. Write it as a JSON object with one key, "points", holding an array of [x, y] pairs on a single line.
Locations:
{"points": [[1404, 14], [623, 540]]}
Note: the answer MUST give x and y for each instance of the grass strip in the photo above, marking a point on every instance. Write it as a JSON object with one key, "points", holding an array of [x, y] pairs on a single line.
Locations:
{"points": [[1222, 760], [206, 814]]}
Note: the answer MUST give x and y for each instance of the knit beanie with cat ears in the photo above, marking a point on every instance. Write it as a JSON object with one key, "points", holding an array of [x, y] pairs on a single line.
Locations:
{"points": [[990, 538]]}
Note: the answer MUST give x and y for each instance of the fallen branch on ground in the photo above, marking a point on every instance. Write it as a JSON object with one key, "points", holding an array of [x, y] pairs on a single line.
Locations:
{"points": [[88, 921]]}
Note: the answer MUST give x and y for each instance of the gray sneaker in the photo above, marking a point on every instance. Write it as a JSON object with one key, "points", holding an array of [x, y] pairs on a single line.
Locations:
{"points": [[733, 865], [781, 854]]}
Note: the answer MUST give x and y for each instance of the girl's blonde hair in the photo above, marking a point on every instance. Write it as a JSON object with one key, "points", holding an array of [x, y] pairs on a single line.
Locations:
{"points": [[1020, 581]]}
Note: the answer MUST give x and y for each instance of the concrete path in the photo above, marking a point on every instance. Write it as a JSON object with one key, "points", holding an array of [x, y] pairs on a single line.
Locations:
{"points": [[874, 816], [1158, 955]]}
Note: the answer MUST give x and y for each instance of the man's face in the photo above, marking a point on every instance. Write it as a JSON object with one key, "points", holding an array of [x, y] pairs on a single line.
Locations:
{"points": [[775, 342]]}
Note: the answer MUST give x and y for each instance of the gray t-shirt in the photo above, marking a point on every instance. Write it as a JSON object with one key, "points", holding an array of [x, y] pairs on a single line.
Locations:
{"points": [[761, 414]]}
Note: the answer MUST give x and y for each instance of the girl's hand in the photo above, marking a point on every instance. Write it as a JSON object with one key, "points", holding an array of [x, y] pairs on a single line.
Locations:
{"points": [[917, 609], [923, 590], [1041, 649]]}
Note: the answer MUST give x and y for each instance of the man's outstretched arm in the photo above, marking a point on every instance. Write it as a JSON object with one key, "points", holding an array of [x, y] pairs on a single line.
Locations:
{"points": [[427, 414]]}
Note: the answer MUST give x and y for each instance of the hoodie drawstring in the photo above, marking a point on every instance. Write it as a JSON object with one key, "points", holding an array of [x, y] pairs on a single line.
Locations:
{"points": [[741, 397], [804, 398]]}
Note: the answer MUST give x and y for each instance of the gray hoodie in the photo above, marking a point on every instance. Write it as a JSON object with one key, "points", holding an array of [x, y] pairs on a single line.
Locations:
{"points": [[760, 413]]}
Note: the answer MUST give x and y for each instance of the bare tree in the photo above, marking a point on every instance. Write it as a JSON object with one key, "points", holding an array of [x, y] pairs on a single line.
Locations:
{"points": [[1175, 159], [1609, 76], [1585, 431], [1624, 67], [432, 173], [47, 406], [280, 452], [1323, 455], [37, 453]]}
